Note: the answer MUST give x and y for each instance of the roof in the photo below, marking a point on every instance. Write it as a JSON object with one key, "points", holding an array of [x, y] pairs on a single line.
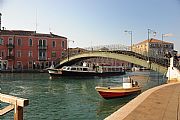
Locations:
{"points": [[28, 33], [153, 41]]}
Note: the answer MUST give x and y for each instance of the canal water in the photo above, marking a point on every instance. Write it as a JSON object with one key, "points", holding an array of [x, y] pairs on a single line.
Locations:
{"points": [[69, 98]]}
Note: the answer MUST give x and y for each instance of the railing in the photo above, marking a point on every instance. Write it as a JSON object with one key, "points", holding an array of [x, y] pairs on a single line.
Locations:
{"points": [[159, 61], [10, 45], [44, 47], [16, 103], [10, 57], [42, 58]]}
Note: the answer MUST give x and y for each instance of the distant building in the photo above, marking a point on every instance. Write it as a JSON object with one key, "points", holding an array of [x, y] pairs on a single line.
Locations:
{"points": [[75, 51], [30, 50], [157, 48], [98, 60]]}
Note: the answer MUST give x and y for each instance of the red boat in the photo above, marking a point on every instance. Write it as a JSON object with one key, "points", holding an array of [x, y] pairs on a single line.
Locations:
{"points": [[116, 92]]}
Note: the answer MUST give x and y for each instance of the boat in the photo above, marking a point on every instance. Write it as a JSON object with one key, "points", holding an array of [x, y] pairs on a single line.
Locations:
{"points": [[84, 71], [128, 88], [135, 69]]}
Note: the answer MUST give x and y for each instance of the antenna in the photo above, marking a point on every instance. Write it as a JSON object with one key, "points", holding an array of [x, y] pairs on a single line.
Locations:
{"points": [[36, 21], [49, 28], [0, 20]]}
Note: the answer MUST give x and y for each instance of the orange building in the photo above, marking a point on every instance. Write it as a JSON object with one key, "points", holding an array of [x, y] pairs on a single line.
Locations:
{"points": [[153, 48]]}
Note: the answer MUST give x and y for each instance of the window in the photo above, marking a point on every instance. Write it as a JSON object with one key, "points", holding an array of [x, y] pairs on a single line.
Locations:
{"points": [[1, 41], [63, 54], [10, 41], [18, 53], [42, 43], [172, 47], [30, 65], [30, 54], [53, 44], [73, 68], [30, 42], [19, 64], [10, 52], [19, 42], [53, 54], [63, 44], [42, 55], [2, 54], [85, 69]]}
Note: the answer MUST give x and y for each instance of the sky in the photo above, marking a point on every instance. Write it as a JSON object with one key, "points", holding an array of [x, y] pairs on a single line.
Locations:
{"points": [[95, 22]]}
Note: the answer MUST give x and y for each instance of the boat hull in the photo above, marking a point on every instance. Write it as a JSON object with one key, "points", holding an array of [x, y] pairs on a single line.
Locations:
{"points": [[84, 74], [117, 92], [72, 73]]}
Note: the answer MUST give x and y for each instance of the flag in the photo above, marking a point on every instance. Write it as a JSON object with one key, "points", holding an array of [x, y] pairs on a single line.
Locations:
{"points": [[168, 35]]}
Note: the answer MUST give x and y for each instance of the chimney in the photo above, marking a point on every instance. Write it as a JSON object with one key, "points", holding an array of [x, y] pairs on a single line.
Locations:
{"points": [[0, 20]]}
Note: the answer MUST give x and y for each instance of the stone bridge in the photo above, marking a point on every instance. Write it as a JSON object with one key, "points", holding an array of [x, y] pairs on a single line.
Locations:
{"points": [[155, 64]]}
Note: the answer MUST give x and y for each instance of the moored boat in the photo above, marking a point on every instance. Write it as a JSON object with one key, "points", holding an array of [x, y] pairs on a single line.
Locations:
{"points": [[127, 89], [86, 71]]}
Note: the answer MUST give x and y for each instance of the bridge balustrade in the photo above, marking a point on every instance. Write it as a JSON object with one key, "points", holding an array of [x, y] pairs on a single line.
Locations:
{"points": [[160, 61]]}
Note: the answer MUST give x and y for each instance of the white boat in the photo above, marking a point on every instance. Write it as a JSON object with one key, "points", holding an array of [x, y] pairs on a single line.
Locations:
{"points": [[129, 87], [86, 71]]}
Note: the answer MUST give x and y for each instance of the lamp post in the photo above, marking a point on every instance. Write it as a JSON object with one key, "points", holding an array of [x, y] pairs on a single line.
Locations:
{"points": [[162, 51], [0, 21], [130, 32], [154, 33], [68, 47], [164, 35]]}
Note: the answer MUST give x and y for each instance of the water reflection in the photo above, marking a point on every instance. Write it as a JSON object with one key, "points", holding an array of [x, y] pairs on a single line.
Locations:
{"points": [[109, 106], [70, 98]]}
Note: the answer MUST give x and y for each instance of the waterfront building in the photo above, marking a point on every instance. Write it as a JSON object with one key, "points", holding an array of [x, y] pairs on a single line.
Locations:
{"points": [[26, 50], [157, 48]]}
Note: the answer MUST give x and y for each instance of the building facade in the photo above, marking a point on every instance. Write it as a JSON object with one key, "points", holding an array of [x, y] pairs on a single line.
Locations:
{"points": [[153, 48], [29, 50]]}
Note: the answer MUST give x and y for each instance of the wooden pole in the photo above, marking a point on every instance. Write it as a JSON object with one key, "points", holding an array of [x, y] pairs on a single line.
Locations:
{"points": [[18, 113], [16, 103]]}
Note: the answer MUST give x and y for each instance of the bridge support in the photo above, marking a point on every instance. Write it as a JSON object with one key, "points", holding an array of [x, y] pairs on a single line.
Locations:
{"points": [[173, 73]]}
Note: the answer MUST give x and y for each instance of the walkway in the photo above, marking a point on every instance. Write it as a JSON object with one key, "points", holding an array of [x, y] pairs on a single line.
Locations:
{"points": [[159, 103]]}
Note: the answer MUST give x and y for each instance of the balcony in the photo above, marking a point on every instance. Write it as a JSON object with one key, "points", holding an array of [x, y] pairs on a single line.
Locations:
{"points": [[10, 57], [42, 58], [10, 45], [40, 47]]}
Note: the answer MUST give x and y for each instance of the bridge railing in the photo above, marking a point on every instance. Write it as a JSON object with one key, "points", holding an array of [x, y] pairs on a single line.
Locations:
{"points": [[161, 61], [15, 103]]}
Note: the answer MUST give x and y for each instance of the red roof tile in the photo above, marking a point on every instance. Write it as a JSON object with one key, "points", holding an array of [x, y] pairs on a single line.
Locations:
{"points": [[153, 41], [28, 33]]}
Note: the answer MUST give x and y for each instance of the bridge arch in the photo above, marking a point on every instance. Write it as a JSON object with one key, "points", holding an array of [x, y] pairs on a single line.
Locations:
{"points": [[132, 59]]}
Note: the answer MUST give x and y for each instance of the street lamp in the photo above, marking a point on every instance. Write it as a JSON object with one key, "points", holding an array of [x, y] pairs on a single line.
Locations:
{"points": [[154, 34], [0, 20], [130, 32], [68, 47], [164, 35]]}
